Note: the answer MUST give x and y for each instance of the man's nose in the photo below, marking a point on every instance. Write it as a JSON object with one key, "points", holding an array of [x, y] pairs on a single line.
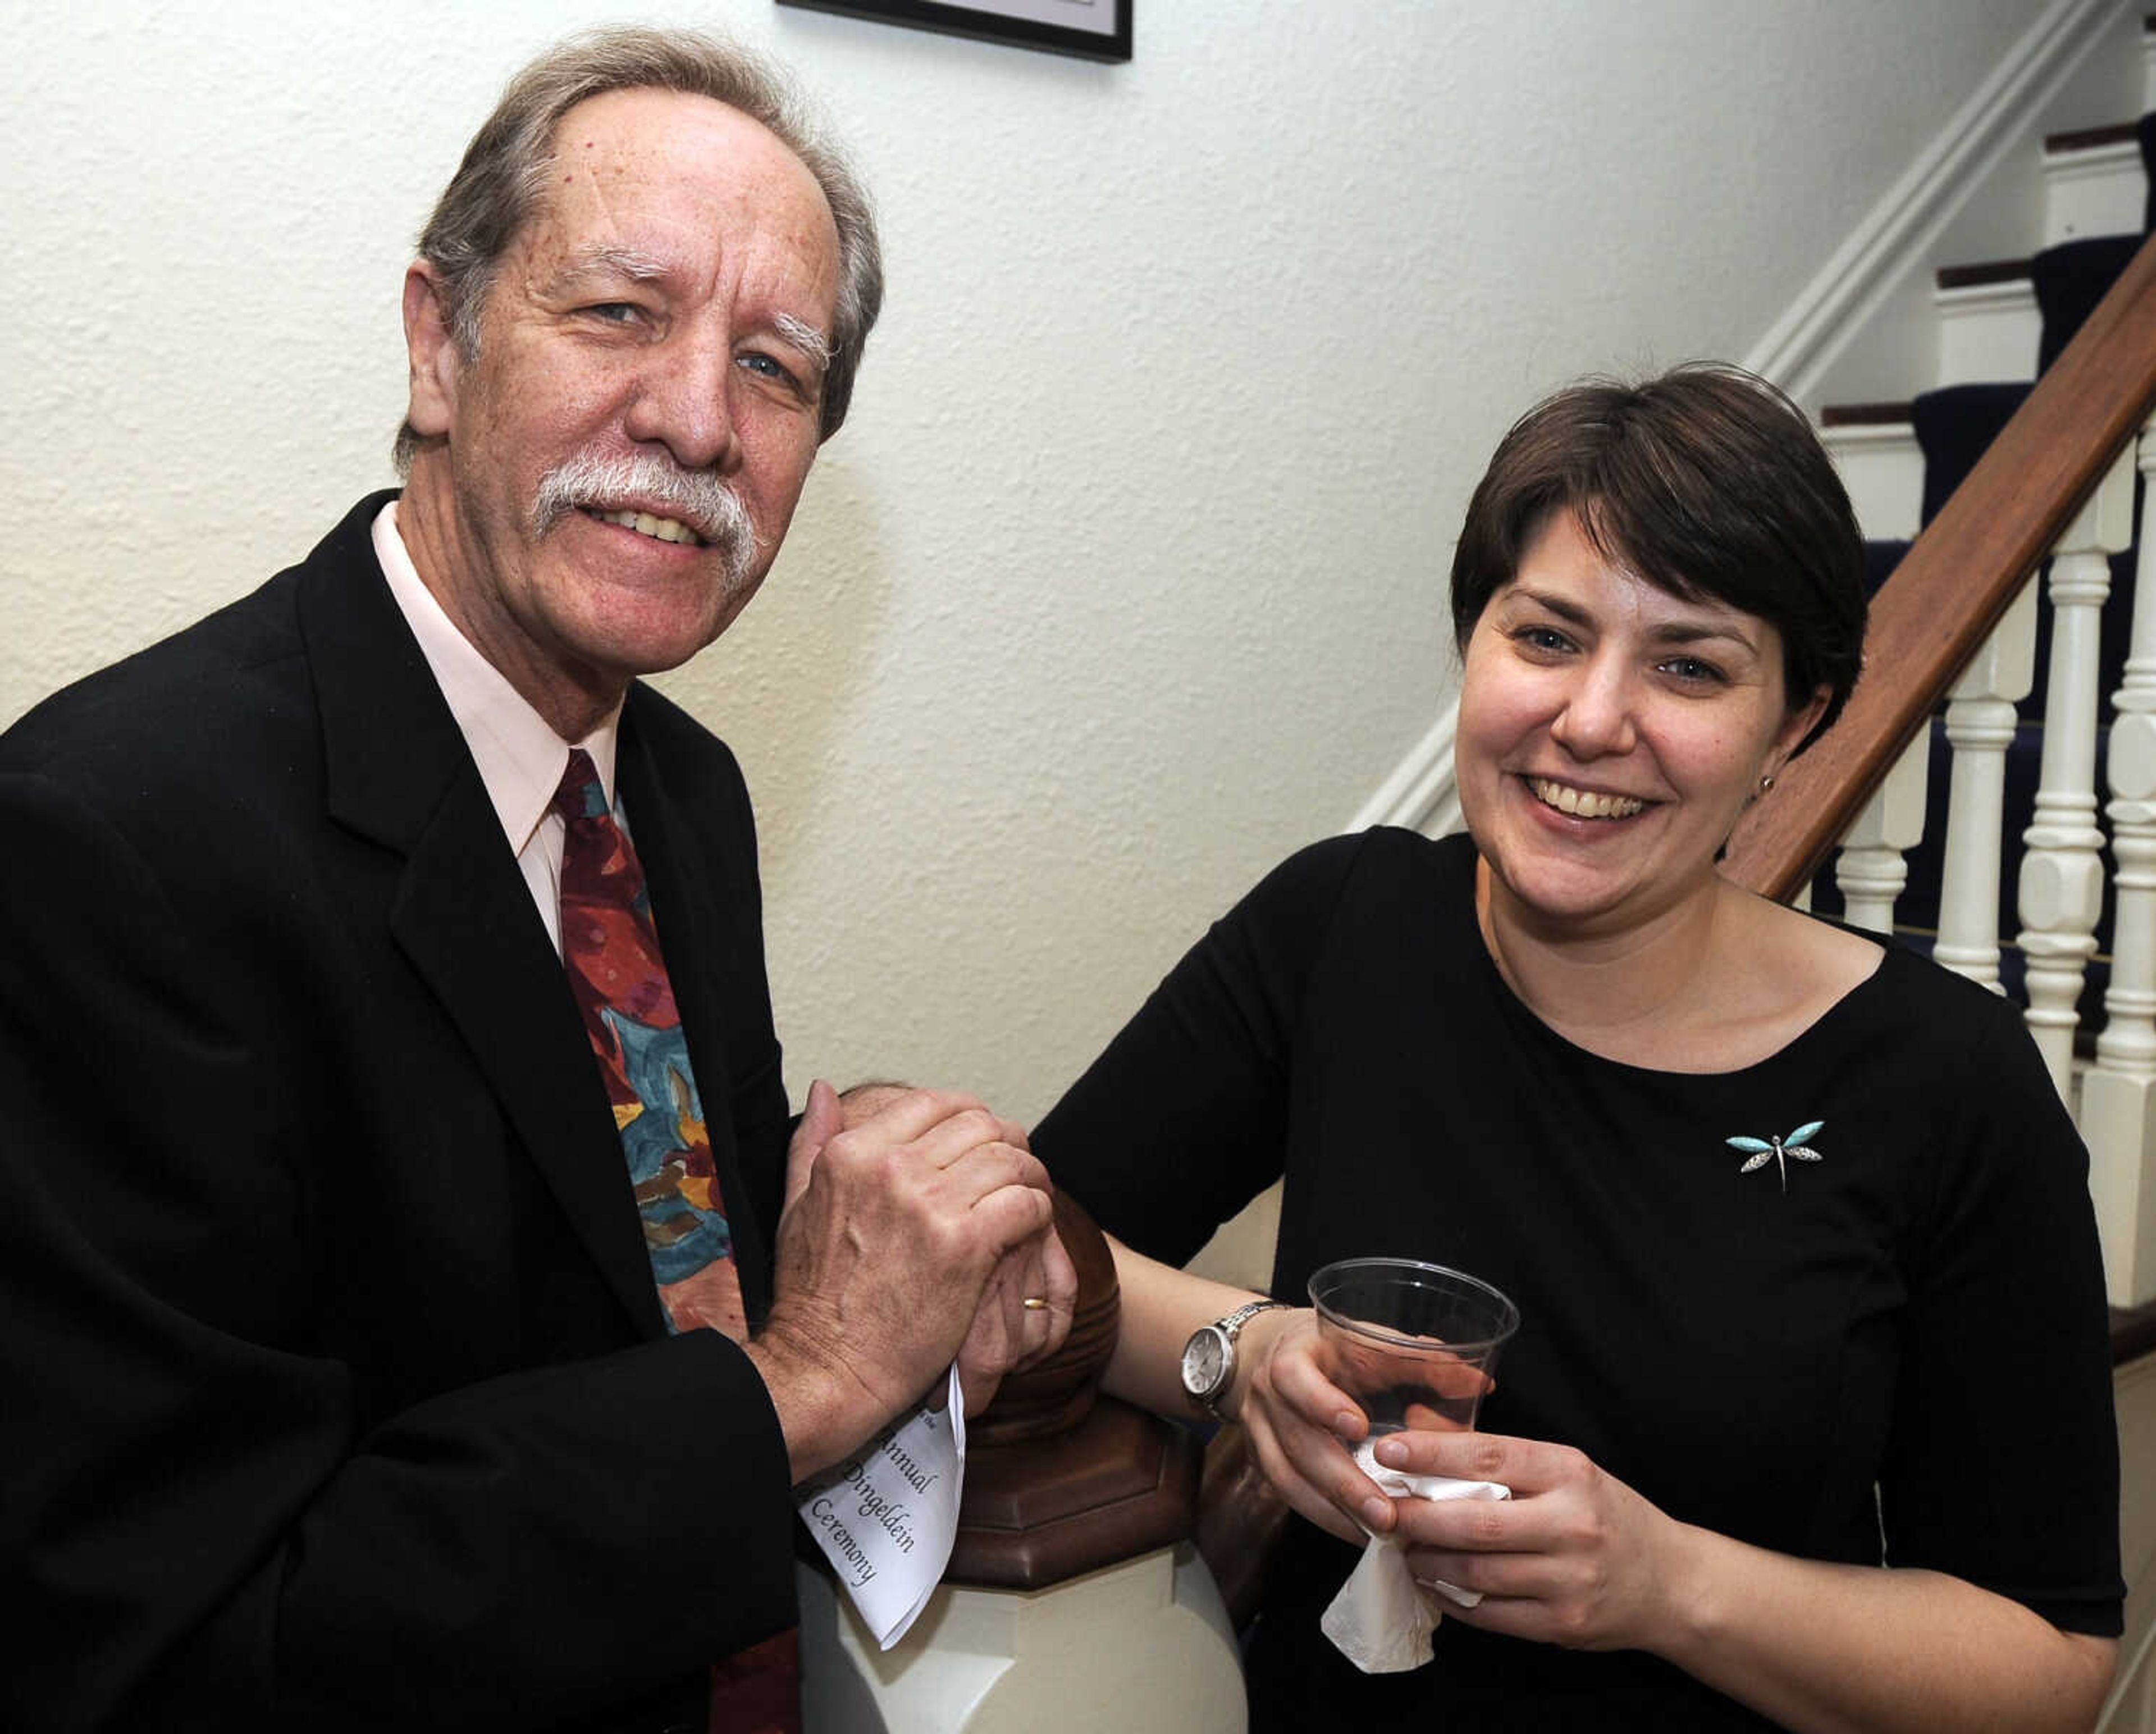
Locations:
{"points": [[684, 402], [1597, 718]]}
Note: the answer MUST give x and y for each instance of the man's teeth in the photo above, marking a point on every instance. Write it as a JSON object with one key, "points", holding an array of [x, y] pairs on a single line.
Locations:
{"points": [[665, 528], [1583, 803]]}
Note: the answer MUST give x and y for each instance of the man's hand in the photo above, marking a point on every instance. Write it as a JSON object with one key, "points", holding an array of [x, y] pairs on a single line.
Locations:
{"points": [[896, 1217], [822, 1119], [1007, 1334]]}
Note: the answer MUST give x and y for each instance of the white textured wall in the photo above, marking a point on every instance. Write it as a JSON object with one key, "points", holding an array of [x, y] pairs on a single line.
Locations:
{"points": [[1126, 575]]}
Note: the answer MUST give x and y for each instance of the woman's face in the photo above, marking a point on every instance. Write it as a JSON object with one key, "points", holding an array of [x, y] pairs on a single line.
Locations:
{"points": [[1610, 734]]}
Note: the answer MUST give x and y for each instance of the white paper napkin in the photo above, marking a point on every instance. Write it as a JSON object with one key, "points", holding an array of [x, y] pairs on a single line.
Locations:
{"points": [[886, 1518], [1381, 1619]]}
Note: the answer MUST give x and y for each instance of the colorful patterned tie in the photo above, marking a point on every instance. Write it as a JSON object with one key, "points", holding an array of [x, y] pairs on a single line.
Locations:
{"points": [[611, 951], [610, 948]]}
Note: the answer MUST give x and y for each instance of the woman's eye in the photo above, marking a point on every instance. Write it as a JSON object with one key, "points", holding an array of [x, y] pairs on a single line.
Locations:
{"points": [[1542, 638], [1693, 671]]}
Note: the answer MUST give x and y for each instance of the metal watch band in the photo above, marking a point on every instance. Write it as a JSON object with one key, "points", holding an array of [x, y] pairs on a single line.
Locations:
{"points": [[1230, 1326]]}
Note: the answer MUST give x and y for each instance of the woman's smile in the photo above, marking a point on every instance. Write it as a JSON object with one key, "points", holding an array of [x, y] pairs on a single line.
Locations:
{"points": [[1582, 802]]}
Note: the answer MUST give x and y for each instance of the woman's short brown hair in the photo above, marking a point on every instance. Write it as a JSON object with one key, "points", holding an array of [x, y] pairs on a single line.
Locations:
{"points": [[1707, 483]]}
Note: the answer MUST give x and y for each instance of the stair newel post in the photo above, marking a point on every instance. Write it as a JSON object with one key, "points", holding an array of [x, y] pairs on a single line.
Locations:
{"points": [[2062, 887], [1980, 720], [1870, 870], [2118, 1094]]}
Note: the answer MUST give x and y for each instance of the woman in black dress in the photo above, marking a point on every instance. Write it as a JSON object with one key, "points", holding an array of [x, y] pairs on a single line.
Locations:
{"points": [[1809, 1421]]}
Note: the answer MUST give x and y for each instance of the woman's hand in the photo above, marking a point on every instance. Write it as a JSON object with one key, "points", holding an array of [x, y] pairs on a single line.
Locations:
{"points": [[1304, 1426], [1575, 1557]]}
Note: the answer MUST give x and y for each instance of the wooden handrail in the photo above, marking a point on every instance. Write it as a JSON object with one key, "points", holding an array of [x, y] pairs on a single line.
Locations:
{"points": [[1931, 616]]}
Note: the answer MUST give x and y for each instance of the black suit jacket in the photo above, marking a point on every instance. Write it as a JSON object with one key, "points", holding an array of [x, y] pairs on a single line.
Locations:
{"points": [[336, 1390]]}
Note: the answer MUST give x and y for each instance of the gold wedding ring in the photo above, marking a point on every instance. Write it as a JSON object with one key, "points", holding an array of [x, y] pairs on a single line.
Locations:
{"points": [[1036, 1303]]}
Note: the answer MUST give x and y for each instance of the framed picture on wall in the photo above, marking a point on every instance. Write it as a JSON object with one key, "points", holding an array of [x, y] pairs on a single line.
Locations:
{"points": [[1097, 29]]}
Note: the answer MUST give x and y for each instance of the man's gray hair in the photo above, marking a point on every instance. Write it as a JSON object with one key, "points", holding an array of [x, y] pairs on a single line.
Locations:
{"points": [[504, 173]]}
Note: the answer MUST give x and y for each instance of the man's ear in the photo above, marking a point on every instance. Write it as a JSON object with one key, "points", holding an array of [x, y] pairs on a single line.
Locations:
{"points": [[430, 351]]}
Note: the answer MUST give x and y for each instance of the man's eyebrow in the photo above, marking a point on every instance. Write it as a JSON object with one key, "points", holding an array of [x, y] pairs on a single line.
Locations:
{"points": [[804, 336], [600, 259]]}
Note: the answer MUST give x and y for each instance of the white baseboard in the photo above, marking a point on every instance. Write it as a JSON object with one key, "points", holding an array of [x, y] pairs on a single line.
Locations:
{"points": [[1418, 794]]}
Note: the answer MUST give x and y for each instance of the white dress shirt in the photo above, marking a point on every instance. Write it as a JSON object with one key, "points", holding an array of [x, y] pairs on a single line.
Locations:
{"points": [[521, 759]]}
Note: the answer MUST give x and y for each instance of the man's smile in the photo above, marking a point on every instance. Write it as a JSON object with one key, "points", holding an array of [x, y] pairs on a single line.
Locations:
{"points": [[667, 530]]}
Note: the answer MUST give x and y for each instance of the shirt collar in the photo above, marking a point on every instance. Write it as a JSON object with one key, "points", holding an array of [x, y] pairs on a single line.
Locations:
{"points": [[520, 758]]}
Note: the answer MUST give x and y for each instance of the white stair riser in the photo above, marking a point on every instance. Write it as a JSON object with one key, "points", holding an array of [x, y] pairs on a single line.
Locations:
{"points": [[1988, 333], [1883, 468], [2099, 191]]}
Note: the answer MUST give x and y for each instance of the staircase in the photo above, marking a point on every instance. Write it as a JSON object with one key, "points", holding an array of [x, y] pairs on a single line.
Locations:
{"points": [[2011, 754], [1999, 325], [2012, 664]]}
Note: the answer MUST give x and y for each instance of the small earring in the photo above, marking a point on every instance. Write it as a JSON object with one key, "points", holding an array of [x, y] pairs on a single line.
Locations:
{"points": [[1767, 783]]}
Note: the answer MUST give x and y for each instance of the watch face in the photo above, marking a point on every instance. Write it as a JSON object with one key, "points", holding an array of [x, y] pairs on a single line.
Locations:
{"points": [[1204, 1361]]}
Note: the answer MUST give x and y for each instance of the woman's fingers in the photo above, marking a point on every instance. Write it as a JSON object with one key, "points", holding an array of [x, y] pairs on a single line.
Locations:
{"points": [[1300, 1378], [1303, 1424], [1525, 1465], [1574, 1558], [1314, 1474]]}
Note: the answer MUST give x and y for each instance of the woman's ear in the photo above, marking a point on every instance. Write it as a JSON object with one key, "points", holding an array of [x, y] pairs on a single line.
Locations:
{"points": [[1796, 727]]}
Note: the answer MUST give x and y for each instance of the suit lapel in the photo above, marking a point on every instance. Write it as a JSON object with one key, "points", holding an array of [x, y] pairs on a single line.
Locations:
{"points": [[686, 889], [397, 771]]}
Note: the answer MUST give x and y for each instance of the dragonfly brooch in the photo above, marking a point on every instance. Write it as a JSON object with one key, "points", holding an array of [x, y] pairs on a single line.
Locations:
{"points": [[1758, 1151]]}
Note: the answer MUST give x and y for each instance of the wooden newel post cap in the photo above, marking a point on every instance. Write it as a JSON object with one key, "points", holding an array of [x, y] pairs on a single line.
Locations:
{"points": [[1060, 1480]]}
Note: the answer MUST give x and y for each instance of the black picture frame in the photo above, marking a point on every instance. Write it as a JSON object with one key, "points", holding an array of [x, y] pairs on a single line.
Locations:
{"points": [[992, 22]]}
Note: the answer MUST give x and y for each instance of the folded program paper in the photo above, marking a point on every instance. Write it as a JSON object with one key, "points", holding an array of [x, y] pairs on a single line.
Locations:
{"points": [[1381, 1619], [887, 1516]]}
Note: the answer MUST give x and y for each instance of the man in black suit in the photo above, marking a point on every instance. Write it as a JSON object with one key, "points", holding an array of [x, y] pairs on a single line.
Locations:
{"points": [[351, 1382]]}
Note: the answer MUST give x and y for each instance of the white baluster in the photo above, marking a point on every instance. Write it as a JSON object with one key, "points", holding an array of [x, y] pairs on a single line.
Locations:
{"points": [[2061, 888], [2118, 1094], [1870, 871], [1979, 729]]}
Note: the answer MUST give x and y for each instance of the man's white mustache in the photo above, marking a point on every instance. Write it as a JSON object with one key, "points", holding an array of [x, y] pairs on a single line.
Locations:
{"points": [[697, 497]]}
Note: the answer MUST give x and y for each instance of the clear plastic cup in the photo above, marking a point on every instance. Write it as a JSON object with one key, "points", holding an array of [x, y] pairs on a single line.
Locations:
{"points": [[1416, 1345]]}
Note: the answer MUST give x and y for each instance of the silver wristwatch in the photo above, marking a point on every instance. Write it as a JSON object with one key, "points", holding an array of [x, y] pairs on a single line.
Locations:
{"points": [[1208, 1358]]}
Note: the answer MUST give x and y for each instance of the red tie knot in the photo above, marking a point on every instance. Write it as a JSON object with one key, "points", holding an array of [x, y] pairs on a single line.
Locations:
{"points": [[580, 795]]}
